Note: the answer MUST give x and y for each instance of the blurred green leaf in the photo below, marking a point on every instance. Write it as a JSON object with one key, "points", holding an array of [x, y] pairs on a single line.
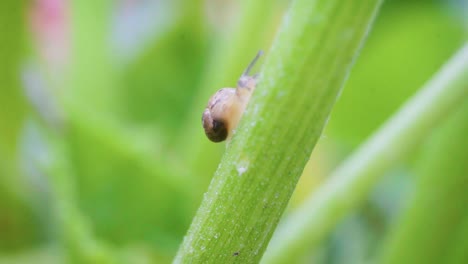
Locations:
{"points": [[435, 214], [160, 84], [122, 177], [410, 42], [18, 224]]}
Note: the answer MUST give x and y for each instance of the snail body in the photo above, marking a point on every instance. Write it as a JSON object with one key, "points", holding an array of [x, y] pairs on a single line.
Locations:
{"points": [[226, 106]]}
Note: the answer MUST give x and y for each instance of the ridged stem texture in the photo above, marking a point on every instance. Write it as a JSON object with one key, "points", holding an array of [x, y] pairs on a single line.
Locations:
{"points": [[352, 181], [303, 75]]}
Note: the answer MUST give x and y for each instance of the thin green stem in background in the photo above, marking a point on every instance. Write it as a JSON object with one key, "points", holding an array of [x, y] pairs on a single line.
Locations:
{"points": [[137, 148], [75, 233], [90, 102], [435, 214], [303, 75], [352, 181]]}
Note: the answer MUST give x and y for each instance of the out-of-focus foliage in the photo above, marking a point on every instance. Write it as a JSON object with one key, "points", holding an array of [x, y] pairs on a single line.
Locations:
{"points": [[19, 223], [409, 43], [438, 208], [97, 121]]}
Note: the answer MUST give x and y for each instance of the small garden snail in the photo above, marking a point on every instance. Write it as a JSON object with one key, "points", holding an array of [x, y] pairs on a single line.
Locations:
{"points": [[226, 106]]}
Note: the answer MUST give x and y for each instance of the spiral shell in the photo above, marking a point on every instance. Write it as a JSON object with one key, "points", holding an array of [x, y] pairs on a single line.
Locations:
{"points": [[226, 106]]}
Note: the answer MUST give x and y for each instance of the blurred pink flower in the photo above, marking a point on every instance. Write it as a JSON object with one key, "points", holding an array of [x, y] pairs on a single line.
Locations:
{"points": [[49, 23]]}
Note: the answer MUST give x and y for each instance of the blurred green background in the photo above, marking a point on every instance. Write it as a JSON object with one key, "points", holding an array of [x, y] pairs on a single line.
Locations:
{"points": [[102, 153]]}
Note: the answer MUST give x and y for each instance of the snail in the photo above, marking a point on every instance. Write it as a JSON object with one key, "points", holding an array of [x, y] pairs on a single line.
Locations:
{"points": [[226, 106]]}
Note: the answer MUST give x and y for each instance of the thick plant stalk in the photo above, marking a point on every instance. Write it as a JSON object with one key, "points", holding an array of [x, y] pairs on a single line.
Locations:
{"points": [[225, 66], [351, 182], [303, 75]]}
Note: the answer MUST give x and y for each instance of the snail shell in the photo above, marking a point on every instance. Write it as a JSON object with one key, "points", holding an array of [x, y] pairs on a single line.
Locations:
{"points": [[226, 106], [218, 115]]}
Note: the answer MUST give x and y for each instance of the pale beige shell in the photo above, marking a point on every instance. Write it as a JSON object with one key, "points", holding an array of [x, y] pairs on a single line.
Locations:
{"points": [[226, 106]]}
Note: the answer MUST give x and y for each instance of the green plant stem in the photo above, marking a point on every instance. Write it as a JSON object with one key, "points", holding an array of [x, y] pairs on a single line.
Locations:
{"points": [[351, 182], [231, 56], [303, 75], [436, 212], [135, 147], [73, 228]]}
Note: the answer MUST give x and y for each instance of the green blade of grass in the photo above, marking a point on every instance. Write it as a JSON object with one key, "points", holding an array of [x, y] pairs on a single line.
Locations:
{"points": [[428, 229], [303, 75], [352, 181], [74, 230]]}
